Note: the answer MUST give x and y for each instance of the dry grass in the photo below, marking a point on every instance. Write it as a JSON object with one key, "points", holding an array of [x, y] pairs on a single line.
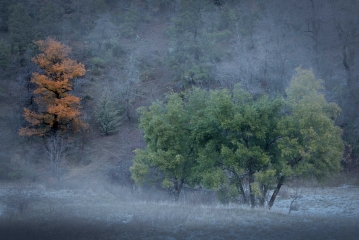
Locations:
{"points": [[122, 213]]}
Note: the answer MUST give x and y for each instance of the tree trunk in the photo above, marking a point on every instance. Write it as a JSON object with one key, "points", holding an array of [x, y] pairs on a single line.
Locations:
{"points": [[239, 186], [252, 197], [177, 189], [241, 189], [55, 148], [276, 191], [262, 200]]}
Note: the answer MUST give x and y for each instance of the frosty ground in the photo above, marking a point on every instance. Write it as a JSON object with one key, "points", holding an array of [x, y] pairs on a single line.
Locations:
{"points": [[37, 212]]}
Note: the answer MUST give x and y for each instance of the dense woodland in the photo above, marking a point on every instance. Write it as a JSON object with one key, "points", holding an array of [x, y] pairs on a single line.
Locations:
{"points": [[236, 97]]}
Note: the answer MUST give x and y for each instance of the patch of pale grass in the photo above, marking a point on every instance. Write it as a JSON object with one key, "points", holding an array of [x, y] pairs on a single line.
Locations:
{"points": [[121, 212]]}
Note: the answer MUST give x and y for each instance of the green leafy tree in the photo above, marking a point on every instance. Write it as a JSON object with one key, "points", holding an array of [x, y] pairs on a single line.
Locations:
{"points": [[169, 150], [207, 110], [252, 138], [272, 140], [310, 144], [107, 115], [268, 141], [239, 143], [232, 141], [21, 28]]}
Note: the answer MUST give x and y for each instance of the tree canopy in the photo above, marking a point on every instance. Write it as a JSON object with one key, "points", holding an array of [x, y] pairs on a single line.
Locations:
{"points": [[169, 145], [232, 141], [56, 109]]}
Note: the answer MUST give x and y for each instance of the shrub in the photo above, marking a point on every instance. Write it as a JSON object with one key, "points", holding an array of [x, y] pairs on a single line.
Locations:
{"points": [[107, 115]]}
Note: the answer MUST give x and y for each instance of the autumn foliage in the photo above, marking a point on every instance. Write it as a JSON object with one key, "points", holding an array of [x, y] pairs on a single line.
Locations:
{"points": [[56, 109]]}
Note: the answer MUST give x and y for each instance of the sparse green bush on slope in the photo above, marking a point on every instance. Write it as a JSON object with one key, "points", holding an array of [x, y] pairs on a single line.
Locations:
{"points": [[107, 115]]}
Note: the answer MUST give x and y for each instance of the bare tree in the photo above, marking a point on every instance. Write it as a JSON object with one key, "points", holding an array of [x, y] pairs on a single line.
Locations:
{"points": [[127, 84], [56, 149]]}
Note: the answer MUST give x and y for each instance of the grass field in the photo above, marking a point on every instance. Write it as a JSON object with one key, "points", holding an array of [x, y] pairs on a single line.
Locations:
{"points": [[41, 213]]}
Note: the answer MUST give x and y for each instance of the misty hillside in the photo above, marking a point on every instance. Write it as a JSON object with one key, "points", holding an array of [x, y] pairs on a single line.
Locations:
{"points": [[136, 53], [179, 119]]}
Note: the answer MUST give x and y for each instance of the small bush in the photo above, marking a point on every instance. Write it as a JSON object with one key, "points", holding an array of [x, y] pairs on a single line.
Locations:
{"points": [[107, 115]]}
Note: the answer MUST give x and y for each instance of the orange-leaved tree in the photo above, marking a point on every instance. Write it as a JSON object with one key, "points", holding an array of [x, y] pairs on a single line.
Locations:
{"points": [[56, 109]]}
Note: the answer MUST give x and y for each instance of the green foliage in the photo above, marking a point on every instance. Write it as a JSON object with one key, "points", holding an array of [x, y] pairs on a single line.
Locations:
{"points": [[227, 194], [141, 166], [5, 54], [245, 126], [197, 74], [303, 84], [107, 115], [20, 27], [169, 145], [266, 177], [226, 140], [311, 144]]}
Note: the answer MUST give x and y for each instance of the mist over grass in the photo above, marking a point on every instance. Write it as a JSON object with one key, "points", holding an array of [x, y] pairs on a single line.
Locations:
{"points": [[115, 212]]}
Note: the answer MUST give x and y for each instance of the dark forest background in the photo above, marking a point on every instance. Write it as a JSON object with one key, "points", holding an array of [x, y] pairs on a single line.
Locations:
{"points": [[136, 51]]}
